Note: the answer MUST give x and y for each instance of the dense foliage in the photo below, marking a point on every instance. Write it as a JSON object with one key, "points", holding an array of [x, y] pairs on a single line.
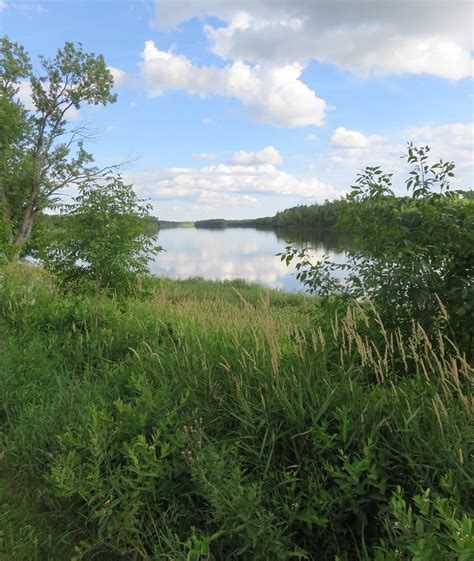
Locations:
{"points": [[218, 223], [40, 151], [415, 255], [310, 217], [105, 240], [217, 422], [15, 166], [316, 216]]}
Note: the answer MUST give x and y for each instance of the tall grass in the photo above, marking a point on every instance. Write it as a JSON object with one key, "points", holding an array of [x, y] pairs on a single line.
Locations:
{"points": [[219, 421]]}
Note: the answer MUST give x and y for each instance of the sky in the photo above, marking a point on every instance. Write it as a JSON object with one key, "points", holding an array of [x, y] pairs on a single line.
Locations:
{"points": [[242, 108]]}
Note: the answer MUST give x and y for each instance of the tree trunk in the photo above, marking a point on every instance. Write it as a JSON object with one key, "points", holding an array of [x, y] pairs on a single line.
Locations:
{"points": [[26, 226]]}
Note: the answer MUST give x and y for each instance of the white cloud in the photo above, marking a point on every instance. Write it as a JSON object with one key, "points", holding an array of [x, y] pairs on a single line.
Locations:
{"points": [[348, 139], [459, 134], [269, 155], [233, 183], [349, 148], [362, 36], [449, 142], [24, 95], [23, 6], [206, 121], [171, 12], [272, 94], [453, 142], [311, 137], [119, 76], [204, 155]]}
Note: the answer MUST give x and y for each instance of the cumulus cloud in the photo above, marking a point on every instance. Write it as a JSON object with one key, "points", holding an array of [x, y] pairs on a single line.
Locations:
{"points": [[361, 36], [247, 176], [175, 183], [348, 139], [453, 141], [458, 134], [269, 155], [24, 95], [169, 13], [349, 148], [119, 76], [450, 142], [273, 94], [204, 155]]}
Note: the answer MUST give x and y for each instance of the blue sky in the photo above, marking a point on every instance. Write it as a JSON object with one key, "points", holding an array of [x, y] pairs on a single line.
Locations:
{"points": [[239, 108]]}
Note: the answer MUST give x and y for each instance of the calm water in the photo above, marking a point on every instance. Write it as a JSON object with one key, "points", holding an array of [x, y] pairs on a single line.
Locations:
{"points": [[240, 253]]}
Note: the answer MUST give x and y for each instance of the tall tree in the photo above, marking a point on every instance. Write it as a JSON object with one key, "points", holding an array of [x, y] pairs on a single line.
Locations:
{"points": [[53, 152], [14, 65]]}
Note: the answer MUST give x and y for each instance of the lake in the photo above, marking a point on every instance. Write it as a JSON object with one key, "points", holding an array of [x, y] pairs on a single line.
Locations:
{"points": [[241, 253]]}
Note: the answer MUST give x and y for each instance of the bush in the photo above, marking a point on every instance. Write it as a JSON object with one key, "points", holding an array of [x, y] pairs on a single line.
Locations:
{"points": [[105, 242], [414, 256], [430, 528]]}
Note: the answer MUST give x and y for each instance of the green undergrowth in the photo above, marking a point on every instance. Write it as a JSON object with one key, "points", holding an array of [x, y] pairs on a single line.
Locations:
{"points": [[221, 421]]}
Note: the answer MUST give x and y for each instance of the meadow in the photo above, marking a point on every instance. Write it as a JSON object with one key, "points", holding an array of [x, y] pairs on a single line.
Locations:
{"points": [[195, 420]]}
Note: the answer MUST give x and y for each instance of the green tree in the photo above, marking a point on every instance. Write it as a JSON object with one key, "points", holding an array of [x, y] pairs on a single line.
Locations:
{"points": [[105, 241], [52, 152], [414, 255], [14, 65]]}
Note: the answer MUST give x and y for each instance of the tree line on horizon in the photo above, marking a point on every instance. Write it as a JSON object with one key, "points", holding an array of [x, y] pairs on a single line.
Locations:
{"points": [[322, 216]]}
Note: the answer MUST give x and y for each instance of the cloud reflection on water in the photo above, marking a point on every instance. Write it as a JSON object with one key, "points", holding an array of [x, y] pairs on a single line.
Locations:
{"points": [[232, 253]]}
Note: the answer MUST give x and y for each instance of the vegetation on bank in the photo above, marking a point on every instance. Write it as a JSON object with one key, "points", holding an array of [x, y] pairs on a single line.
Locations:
{"points": [[413, 257], [317, 216], [219, 223], [325, 216], [160, 224], [201, 420], [311, 217]]}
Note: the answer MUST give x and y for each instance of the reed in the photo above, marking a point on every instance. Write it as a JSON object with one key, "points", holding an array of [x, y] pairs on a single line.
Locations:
{"points": [[225, 421]]}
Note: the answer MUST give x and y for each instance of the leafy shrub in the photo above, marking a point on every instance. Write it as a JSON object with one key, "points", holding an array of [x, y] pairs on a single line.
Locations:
{"points": [[430, 528], [415, 255], [104, 242], [123, 468]]}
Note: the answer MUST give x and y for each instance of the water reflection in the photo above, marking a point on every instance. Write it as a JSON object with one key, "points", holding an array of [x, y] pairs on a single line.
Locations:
{"points": [[331, 241], [239, 253]]}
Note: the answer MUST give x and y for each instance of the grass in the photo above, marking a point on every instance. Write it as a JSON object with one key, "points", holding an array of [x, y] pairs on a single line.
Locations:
{"points": [[220, 421]]}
